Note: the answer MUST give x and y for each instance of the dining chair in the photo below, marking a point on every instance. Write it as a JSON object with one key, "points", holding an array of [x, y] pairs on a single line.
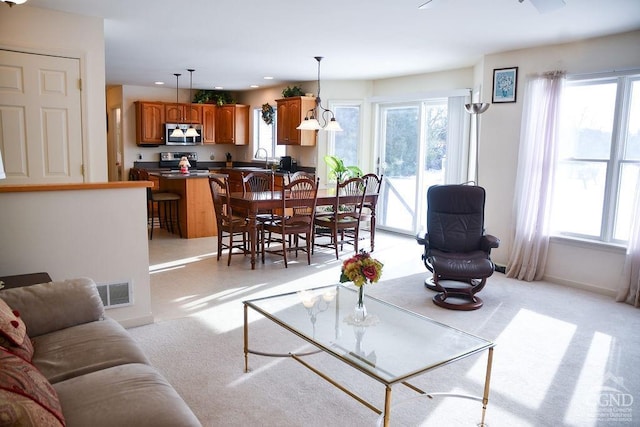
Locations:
{"points": [[342, 224], [254, 182], [232, 227], [373, 183], [164, 203], [299, 199], [299, 174]]}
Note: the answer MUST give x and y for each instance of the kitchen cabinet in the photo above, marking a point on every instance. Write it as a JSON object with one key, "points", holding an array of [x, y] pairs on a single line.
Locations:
{"points": [[179, 113], [232, 124], [149, 123], [291, 111], [209, 123]]}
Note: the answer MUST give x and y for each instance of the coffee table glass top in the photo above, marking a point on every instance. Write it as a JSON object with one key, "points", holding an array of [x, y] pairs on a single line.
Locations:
{"points": [[391, 345]]}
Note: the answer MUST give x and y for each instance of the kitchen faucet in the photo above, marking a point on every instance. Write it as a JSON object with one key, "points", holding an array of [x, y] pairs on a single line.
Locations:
{"points": [[266, 156]]}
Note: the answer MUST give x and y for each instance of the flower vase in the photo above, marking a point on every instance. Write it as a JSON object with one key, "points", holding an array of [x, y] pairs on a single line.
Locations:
{"points": [[360, 311]]}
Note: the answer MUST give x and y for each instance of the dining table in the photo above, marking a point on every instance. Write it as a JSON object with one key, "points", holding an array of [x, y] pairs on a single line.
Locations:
{"points": [[254, 202]]}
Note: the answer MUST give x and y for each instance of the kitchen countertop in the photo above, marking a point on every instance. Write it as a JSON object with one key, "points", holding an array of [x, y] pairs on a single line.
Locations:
{"points": [[178, 175]]}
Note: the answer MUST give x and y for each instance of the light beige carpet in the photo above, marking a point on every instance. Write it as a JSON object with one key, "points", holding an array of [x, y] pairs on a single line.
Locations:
{"points": [[564, 357]]}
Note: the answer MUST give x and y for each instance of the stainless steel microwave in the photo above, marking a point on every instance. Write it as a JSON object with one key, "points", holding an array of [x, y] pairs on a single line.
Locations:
{"points": [[182, 140]]}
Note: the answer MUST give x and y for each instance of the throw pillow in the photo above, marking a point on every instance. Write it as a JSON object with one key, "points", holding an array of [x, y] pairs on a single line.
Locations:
{"points": [[24, 350], [11, 326], [26, 397]]}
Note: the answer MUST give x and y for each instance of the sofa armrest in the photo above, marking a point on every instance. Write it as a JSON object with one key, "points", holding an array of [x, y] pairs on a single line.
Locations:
{"points": [[48, 307]]}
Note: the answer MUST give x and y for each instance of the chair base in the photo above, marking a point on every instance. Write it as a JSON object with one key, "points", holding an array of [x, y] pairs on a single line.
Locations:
{"points": [[454, 298]]}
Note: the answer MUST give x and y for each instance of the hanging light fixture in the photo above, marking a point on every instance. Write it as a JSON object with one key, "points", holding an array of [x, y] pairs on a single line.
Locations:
{"points": [[177, 132], [12, 2], [310, 122], [475, 109], [191, 131]]}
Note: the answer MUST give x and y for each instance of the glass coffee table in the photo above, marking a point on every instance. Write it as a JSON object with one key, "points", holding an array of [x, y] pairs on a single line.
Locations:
{"points": [[400, 344]]}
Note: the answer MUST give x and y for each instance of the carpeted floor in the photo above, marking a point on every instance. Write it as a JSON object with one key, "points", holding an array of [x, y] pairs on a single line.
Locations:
{"points": [[564, 357]]}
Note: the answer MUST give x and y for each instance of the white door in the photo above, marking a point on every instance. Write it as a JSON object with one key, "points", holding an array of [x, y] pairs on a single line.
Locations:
{"points": [[421, 144], [40, 118]]}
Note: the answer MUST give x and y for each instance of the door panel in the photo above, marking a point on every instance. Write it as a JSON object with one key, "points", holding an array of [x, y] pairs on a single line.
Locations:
{"points": [[414, 142], [40, 118]]}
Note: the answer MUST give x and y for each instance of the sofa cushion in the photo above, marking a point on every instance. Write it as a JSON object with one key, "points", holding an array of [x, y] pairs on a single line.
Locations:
{"points": [[51, 306], [85, 348], [26, 397], [125, 395], [12, 328]]}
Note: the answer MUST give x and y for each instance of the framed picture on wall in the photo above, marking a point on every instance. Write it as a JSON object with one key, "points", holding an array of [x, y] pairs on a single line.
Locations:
{"points": [[505, 83]]}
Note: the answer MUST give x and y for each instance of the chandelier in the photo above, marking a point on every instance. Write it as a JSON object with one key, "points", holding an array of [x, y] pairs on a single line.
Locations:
{"points": [[310, 122]]}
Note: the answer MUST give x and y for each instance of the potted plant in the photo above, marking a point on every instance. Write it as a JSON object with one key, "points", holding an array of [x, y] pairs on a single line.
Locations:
{"points": [[339, 171], [205, 96], [288, 92]]}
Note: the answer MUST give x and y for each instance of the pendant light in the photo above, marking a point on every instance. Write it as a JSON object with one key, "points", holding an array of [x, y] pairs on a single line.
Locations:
{"points": [[310, 122], [177, 132], [191, 132], [12, 2]]}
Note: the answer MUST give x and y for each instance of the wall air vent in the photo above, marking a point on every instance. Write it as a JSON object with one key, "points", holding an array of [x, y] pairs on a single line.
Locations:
{"points": [[116, 294]]}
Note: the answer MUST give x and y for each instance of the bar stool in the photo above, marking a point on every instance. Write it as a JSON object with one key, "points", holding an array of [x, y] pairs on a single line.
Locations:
{"points": [[162, 202]]}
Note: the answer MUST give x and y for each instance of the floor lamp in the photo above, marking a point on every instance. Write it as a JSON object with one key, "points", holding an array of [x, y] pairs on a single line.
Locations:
{"points": [[475, 109]]}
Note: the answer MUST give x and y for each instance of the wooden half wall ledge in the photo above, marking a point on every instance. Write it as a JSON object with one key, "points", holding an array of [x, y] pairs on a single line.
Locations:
{"points": [[116, 185]]}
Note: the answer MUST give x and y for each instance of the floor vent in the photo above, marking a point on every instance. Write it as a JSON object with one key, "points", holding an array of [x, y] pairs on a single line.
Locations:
{"points": [[115, 294]]}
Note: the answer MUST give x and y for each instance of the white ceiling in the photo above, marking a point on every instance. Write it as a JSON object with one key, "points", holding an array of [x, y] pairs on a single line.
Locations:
{"points": [[235, 43]]}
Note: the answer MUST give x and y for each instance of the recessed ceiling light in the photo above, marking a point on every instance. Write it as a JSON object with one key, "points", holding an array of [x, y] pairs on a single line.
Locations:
{"points": [[254, 86], [158, 83], [218, 87], [268, 78]]}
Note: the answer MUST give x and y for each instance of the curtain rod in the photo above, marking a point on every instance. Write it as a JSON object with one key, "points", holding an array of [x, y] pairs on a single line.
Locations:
{"points": [[602, 74]]}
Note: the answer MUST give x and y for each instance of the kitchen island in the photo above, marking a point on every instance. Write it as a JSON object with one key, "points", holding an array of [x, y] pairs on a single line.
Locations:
{"points": [[197, 218]]}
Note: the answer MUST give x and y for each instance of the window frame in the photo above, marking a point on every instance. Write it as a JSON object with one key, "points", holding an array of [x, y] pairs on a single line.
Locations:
{"points": [[619, 143], [258, 122]]}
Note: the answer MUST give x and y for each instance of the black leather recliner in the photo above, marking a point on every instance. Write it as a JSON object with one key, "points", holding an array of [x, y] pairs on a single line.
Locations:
{"points": [[456, 248]]}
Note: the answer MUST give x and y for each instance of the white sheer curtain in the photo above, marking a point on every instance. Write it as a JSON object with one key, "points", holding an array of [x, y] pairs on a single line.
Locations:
{"points": [[536, 158], [629, 291]]}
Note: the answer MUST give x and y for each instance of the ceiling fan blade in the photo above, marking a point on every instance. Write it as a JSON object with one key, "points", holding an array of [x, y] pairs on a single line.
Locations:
{"points": [[546, 6], [428, 4]]}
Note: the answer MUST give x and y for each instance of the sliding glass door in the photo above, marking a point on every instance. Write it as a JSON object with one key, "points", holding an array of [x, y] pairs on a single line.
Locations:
{"points": [[420, 146]]}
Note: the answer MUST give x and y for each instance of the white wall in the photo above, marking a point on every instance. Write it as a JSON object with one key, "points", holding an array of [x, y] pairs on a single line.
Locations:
{"points": [[34, 30], [591, 266], [101, 234]]}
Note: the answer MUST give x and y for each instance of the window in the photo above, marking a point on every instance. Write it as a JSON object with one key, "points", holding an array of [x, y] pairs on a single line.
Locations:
{"points": [[598, 159], [264, 136], [345, 144]]}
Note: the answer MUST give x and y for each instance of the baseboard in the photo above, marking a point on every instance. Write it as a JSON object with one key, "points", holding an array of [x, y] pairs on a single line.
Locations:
{"points": [[579, 285]]}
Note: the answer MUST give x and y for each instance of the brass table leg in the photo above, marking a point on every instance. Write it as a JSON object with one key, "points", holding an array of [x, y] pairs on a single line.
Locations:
{"points": [[246, 339], [387, 406], [487, 381]]}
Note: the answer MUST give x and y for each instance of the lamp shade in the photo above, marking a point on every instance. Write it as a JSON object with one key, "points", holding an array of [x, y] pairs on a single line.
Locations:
{"points": [[476, 107], [191, 132], [2, 174], [309, 124], [12, 2], [177, 133], [333, 126]]}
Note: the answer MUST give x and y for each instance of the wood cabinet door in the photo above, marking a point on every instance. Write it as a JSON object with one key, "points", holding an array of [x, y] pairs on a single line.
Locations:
{"points": [[174, 113], [193, 113], [291, 111], [150, 123], [209, 123], [225, 122], [284, 118]]}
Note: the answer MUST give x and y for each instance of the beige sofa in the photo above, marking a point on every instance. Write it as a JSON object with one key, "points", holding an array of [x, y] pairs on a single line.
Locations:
{"points": [[88, 362]]}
